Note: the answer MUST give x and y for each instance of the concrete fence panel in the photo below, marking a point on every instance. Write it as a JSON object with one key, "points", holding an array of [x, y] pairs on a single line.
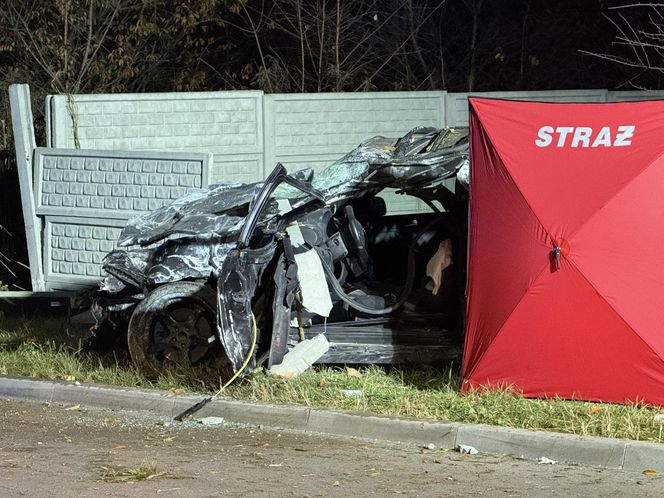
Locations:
{"points": [[115, 184], [314, 130], [228, 125], [86, 196], [635, 95], [74, 249]]}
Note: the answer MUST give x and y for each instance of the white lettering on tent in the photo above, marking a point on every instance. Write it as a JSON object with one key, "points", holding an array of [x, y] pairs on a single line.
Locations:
{"points": [[545, 137], [603, 138], [624, 136], [584, 136], [562, 132]]}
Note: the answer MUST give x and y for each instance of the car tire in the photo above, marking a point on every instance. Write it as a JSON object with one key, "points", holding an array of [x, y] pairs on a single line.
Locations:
{"points": [[175, 326]]}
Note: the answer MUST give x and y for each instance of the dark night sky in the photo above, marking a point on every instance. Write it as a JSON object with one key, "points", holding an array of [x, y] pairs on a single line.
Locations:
{"points": [[537, 44]]}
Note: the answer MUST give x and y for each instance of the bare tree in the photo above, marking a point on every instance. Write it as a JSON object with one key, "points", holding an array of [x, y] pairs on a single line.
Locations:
{"points": [[475, 6], [332, 45], [639, 42], [108, 45], [62, 40]]}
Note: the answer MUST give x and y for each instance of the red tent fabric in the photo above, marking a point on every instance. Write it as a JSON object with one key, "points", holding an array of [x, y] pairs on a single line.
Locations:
{"points": [[566, 250]]}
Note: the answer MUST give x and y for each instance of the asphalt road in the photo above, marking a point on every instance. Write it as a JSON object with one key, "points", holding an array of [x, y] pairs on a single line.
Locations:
{"points": [[65, 451]]}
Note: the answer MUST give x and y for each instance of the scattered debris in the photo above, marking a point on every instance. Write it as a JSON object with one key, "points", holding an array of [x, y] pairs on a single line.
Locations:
{"points": [[211, 420], [649, 472], [352, 393], [301, 357], [470, 450], [546, 461], [429, 446], [315, 293], [75, 408]]}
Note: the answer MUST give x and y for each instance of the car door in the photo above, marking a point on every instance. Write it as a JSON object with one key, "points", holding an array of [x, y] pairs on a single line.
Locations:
{"points": [[245, 266]]}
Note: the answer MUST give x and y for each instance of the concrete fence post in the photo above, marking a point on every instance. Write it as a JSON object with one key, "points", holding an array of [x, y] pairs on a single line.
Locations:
{"points": [[24, 140]]}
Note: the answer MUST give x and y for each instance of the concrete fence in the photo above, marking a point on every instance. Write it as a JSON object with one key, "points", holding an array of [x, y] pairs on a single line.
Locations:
{"points": [[75, 201], [248, 132]]}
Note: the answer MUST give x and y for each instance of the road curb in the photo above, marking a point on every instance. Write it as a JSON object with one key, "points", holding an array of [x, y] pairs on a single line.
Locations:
{"points": [[520, 443]]}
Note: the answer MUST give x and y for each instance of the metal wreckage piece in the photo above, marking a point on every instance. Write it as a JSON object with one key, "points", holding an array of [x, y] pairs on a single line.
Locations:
{"points": [[234, 275]]}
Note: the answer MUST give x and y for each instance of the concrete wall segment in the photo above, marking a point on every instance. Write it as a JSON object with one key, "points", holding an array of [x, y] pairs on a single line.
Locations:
{"points": [[317, 129], [247, 132], [222, 123], [115, 184], [314, 130], [634, 95], [75, 247]]}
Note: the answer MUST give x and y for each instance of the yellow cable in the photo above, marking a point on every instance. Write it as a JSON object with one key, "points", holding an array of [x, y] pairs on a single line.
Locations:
{"points": [[247, 359], [194, 408]]}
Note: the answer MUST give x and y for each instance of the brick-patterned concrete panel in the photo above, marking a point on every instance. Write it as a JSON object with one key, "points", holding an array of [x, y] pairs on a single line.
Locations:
{"points": [[314, 130], [189, 121], [75, 247], [246, 169], [324, 124], [115, 184]]}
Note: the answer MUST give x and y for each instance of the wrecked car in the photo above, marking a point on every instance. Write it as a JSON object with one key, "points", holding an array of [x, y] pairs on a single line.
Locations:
{"points": [[235, 275]]}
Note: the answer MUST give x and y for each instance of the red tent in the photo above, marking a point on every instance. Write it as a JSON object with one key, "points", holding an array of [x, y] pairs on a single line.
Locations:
{"points": [[566, 268]]}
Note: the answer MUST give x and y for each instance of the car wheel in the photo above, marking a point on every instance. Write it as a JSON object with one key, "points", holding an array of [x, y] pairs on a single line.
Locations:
{"points": [[175, 326]]}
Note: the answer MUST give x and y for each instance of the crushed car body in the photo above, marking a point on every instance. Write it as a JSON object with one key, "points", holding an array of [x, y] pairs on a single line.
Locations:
{"points": [[235, 275]]}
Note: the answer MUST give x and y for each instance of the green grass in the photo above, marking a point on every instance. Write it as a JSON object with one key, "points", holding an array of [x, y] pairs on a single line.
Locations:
{"points": [[430, 394], [46, 349], [42, 349]]}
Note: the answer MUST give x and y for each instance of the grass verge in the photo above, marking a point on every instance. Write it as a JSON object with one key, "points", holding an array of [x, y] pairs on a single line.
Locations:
{"points": [[42, 349], [431, 394], [48, 349]]}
